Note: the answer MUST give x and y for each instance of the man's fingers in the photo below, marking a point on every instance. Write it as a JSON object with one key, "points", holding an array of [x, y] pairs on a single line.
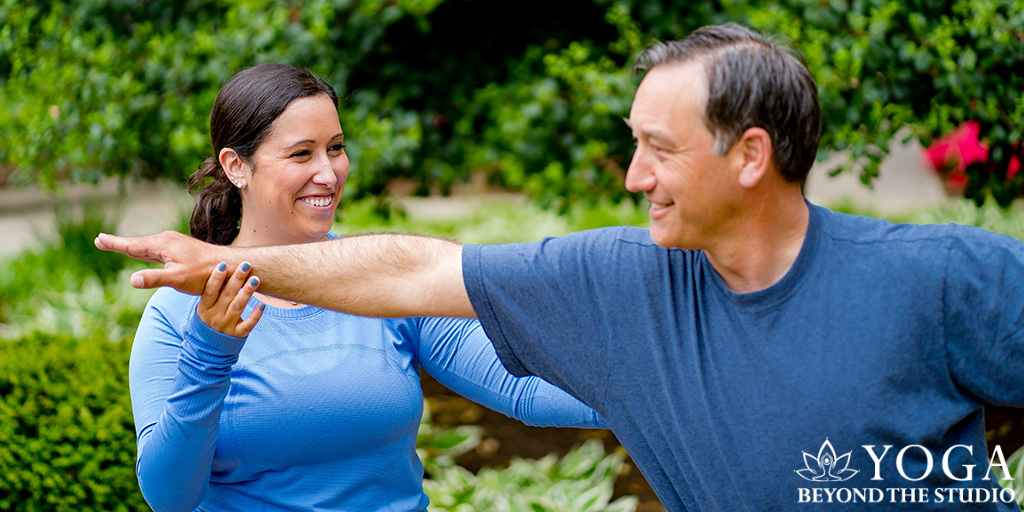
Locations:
{"points": [[137, 247], [157, 277], [105, 242], [187, 261]]}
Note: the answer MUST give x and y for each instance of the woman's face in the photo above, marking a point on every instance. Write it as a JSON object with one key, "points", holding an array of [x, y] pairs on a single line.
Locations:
{"points": [[295, 178]]}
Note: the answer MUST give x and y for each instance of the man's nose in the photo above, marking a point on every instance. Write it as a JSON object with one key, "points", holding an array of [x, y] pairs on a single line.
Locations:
{"points": [[639, 177]]}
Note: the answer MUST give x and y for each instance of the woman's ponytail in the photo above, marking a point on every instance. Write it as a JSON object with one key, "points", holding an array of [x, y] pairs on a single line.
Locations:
{"points": [[218, 207]]}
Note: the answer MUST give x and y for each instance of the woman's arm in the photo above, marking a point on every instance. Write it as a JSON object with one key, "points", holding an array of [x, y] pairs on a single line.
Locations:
{"points": [[179, 375], [459, 355]]}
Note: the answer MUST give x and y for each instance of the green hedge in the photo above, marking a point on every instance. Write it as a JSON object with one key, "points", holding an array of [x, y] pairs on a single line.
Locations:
{"points": [[67, 442], [890, 70], [526, 94]]}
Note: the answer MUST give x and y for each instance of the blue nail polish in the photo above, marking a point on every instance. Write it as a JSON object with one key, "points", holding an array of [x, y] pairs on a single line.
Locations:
{"points": [[246, 266], [263, 307], [222, 267], [253, 282]]}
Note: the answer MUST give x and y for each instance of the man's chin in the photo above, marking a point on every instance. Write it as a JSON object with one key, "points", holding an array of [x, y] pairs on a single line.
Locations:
{"points": [[665, 238]]}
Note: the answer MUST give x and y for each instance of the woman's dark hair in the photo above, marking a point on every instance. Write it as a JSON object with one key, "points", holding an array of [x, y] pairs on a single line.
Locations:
{"points": [[245, 109]]}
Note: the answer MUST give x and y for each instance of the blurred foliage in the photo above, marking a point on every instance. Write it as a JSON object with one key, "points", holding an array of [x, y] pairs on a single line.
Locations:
{"points": [[912, 69], [581, 481], [68, 287], [435, 91], [68, 442], [486, 220], [1015, 468], [438, 447], [1016, 472], [1007, 221]]}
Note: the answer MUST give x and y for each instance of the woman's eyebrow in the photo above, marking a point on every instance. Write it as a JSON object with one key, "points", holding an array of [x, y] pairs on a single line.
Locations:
{"points": [[304, 141]]}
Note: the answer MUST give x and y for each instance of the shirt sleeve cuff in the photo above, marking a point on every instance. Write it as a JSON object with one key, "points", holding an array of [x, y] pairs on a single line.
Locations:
{"points": [[211, 342], [472, 275]]}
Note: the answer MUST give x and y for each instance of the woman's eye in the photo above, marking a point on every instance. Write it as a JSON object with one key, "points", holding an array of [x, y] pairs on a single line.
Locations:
{"points": [[337, 147], [302, 153]]}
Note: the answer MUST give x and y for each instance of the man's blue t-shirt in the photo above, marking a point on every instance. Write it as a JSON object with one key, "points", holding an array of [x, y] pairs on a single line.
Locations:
{"points": [[880, 335]]}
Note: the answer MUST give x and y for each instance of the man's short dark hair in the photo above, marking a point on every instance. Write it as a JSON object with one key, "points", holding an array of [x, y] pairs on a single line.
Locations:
{"points": [[752, 81]]}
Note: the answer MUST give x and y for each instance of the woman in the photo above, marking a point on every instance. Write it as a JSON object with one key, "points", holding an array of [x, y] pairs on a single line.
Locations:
{"points": [[320, 410]]}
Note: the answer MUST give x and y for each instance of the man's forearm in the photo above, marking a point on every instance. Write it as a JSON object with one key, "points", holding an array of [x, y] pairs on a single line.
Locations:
{"points": [[373, 275]]}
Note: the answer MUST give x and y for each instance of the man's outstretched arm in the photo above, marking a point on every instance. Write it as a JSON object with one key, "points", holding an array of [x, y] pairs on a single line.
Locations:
{"points": [[373, 275]]}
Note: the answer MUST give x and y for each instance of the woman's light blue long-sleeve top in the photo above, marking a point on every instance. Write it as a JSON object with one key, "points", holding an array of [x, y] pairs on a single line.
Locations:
{"points": [[319, 411]]}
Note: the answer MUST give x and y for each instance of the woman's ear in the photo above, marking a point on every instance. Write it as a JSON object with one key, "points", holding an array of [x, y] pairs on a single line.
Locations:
{"points": [[234, 167], [755, 156]]}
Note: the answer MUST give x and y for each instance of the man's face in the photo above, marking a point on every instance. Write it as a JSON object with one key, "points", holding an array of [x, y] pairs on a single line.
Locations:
{"points": [[689, 188]]}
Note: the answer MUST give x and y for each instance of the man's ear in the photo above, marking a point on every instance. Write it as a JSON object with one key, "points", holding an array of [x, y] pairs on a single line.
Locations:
{"points": [[754, 155], [233, 166]]}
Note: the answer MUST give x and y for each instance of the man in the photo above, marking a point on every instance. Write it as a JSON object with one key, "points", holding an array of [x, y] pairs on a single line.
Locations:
{"points": [[754, 329]]}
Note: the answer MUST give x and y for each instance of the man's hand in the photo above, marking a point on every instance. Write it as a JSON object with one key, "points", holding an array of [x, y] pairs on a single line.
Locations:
{"points": [[187, 261]]}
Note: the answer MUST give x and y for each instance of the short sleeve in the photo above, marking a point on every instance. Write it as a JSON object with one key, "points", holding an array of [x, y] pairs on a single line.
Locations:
{"points": [[984, 301], [547, 306]]}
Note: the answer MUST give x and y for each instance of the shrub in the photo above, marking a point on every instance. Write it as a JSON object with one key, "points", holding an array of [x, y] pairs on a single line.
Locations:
{"points": [[581, 481], [114, 87], [67, 441], [894, 69], [1016, 481]]}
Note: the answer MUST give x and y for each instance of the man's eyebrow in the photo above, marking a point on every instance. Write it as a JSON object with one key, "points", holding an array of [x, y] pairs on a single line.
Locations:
{"points": [[655, 134]]}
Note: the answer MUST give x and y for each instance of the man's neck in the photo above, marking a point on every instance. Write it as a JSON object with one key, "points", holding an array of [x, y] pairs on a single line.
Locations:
{"points": [[762, 248]]}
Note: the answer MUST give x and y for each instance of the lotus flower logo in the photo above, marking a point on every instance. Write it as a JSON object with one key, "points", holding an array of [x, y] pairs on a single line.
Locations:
{"points": [[826, 467]]}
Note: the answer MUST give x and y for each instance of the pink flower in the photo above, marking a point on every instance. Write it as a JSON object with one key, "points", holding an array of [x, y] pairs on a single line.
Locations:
{"points": [[950, 155]]}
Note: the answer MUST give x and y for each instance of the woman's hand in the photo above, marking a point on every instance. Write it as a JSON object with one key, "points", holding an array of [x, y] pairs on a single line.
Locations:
{"points": [[223, 301]]}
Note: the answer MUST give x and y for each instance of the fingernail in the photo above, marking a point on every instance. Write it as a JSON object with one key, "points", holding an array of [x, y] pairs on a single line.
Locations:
{"points": [[222, 267], [263, 307], [246, 266], [137, 281], [253, 282]]}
